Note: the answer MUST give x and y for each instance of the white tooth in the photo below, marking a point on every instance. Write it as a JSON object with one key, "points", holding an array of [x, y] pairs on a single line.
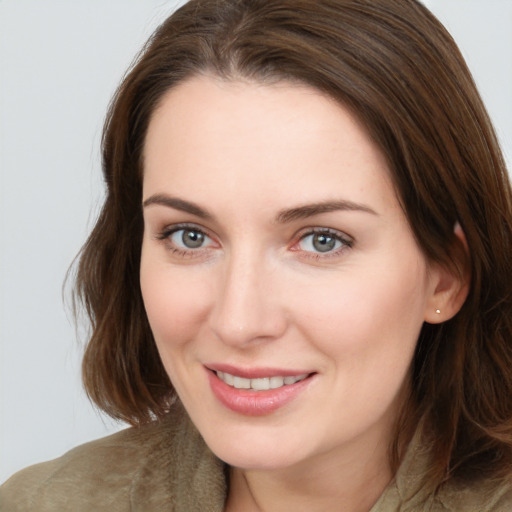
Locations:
{"points": [[260, 384], [293, 380], [276, 382], [241, 383]]}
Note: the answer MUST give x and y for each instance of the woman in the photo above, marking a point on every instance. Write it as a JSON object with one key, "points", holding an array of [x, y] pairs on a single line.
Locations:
{"points": [[299, 283]]}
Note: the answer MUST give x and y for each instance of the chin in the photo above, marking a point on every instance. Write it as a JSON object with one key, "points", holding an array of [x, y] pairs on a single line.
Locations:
{"points": [[256, 451], [257, 461]]}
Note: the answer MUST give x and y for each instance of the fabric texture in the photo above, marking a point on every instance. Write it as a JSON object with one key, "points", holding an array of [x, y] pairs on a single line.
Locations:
{"points": [[166, 466]]}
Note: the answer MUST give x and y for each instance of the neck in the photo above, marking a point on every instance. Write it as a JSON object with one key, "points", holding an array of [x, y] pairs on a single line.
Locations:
{"points": [[350, 479]]}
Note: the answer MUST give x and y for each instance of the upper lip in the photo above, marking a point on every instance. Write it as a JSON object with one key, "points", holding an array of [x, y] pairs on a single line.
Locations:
{"points": [[255, 373]]}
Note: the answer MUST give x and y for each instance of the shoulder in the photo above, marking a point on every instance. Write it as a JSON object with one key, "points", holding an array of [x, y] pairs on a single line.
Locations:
{"points": [[408, 492], [484, 496], [83, 473], [135, 469]]}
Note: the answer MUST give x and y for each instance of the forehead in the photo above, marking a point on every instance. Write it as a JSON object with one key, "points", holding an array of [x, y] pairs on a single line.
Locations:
{"points": [[283, 139]]}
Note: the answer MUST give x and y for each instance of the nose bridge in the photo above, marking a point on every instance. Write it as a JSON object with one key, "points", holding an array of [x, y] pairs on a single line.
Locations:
{"points": [[246, 306]]}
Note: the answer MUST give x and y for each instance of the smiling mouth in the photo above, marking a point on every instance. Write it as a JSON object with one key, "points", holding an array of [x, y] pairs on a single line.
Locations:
{"points": [[259, 384]]}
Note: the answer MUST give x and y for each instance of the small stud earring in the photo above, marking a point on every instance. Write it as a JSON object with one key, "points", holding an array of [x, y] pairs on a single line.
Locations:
{"points": [[438, 311]]}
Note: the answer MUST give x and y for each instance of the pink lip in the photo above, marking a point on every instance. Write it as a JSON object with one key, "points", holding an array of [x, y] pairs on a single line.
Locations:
{"points": [[255, 403]]}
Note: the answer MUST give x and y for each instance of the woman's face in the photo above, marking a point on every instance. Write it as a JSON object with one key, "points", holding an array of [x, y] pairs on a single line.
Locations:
{"points": [[276, 257]]}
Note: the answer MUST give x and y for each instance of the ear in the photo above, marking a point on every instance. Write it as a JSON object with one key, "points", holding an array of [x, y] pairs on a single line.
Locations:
{"points": [[450, 285]]}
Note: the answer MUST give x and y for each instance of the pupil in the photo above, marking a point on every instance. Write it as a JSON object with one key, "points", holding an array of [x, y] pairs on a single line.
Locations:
{"points": [[192, 239], [323, 243]]}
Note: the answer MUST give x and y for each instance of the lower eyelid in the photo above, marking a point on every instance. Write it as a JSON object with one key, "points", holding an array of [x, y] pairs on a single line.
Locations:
{"points": [[335, 254]]}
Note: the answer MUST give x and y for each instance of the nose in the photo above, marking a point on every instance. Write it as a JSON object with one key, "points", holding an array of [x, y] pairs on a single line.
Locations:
{"points": [[247, 308]]}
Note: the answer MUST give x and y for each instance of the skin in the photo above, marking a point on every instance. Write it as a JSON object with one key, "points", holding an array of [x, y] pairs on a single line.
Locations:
{"points": [[258, 293]]}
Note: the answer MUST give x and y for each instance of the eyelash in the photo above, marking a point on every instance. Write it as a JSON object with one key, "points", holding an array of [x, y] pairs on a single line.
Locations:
{"points": [[346, 241], [166, 234]]}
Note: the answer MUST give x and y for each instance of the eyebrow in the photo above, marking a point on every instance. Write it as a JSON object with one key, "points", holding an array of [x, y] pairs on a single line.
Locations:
{"points": [[283, 217], [178, 204], [310, 210]]}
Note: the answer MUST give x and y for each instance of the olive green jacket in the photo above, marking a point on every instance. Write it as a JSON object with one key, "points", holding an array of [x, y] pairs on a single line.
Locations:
{"points": [[165, 466]]}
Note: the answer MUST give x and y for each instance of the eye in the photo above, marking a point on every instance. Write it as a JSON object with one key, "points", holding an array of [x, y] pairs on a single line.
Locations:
{"points": [[185, 240], [323, 241], [189, 238]]}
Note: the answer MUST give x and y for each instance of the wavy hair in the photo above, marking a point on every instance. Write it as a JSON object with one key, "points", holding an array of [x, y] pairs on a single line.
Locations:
{"points": [[399, 71]]}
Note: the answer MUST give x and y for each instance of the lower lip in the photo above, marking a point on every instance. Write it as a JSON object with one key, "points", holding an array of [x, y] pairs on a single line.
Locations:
{"points": [[255, 403]]}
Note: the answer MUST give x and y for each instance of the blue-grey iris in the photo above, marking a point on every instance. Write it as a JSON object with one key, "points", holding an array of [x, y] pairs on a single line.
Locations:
{"points": [[192, 239], [323, 243]]}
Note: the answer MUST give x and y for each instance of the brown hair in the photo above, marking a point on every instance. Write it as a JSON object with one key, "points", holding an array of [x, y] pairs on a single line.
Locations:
{"points": [[398, 69]]}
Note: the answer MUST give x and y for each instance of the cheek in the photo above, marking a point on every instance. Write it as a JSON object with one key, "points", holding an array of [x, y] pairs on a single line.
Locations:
{"points": [[175, 304], [376, 312]]}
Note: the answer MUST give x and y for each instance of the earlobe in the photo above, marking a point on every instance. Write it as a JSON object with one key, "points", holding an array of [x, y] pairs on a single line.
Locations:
{"points": [[450, 283]]}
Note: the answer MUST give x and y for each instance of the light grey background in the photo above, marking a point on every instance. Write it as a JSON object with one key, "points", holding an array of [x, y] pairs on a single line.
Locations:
{"points": [[60, 61]]}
